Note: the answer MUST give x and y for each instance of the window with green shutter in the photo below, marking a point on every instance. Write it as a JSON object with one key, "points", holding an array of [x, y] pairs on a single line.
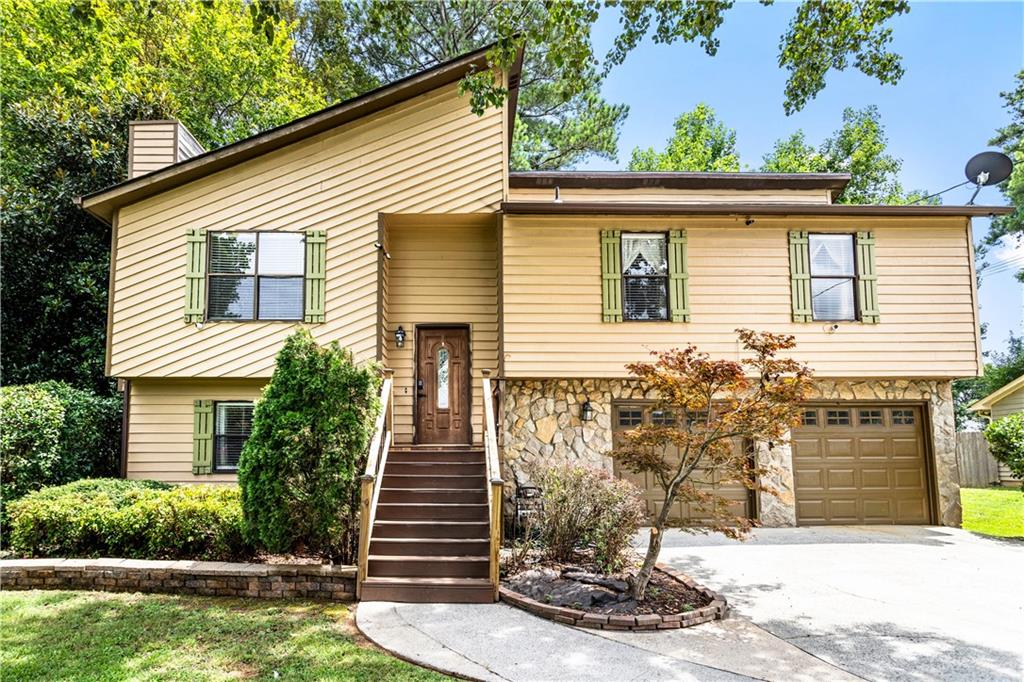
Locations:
{"points": [[195, 276], [202, 437], [800, 276], [644, 276], [832, 277], [316, 276]]}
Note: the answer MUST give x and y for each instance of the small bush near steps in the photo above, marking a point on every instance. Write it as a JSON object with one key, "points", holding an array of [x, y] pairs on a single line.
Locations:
{"points": [[131, 519], [587, 509]]}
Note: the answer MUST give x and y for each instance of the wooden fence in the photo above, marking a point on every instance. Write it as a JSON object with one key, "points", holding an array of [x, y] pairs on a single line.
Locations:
{"points": [[978, 468]]}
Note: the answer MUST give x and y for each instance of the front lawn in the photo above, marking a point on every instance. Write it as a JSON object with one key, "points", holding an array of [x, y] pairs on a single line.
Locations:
{"points": [[102, 636], [994, 511]]}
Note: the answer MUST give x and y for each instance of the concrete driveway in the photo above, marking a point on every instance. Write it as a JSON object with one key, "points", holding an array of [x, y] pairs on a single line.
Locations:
{"points": [[882, 603]]}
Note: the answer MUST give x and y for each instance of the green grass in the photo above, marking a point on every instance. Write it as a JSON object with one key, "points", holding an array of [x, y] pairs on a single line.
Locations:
{"points": [[101, 636], [994, 511]]}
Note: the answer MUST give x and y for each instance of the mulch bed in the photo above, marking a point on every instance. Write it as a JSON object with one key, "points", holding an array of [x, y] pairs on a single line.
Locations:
{"points": [[582, 588]]}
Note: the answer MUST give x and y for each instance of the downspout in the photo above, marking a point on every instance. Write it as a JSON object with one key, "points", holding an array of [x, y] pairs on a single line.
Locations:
{"points": [[125, 422]]}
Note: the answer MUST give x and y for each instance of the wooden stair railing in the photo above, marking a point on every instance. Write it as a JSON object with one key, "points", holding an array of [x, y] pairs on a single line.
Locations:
{"points": [[496, 485], [370, 483]]}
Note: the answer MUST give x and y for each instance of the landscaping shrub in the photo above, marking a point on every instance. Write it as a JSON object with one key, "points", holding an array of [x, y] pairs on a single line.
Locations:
{"points": [[1005, 438], [52, 433], [587, 508], [299, 471], [133, 519]]}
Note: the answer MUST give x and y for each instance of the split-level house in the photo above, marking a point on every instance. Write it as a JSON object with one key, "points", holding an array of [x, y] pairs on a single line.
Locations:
{"points": [[391, 224]]}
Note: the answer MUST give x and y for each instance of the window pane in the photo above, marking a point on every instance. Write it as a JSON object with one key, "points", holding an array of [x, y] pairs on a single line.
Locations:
{"points": [[870, 417], [646, 298], [810, 418], [838, 417], [231, 298], [232, 252], [831, 255], [832, 299], [902, 417], [630, 417], [442, 378], [663, 418], [282, 253], [281, 298], [644, 254], [232, 426]]}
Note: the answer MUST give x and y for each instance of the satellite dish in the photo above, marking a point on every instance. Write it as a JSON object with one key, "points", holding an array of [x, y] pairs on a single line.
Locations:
{"points": [[988, 168]]}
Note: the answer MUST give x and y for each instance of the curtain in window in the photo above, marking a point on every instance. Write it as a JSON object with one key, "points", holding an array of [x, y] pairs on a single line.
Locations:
{"points": [[644, 255]]}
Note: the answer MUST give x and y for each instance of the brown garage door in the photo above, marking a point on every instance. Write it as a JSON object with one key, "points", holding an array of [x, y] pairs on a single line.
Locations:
{"points": [[630, 415], [861, 464]]}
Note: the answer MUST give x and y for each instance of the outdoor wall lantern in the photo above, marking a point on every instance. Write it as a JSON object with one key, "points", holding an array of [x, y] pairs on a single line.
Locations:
{"points": [[400, 337], [587, 413]]}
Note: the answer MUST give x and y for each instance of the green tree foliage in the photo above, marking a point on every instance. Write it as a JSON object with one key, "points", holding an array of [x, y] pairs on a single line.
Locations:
{"points": [[858, 147], [299, 471], [1001, 367], [1005, 438], [75, 73], [1009, 229], [700, 143], [52, 433]]}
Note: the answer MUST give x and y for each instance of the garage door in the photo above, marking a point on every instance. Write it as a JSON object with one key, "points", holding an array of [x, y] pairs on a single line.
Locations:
{"points": [[861, 464], [631, 415]]}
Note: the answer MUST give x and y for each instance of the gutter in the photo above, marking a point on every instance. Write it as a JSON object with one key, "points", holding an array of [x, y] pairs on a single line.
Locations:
{"points": [[745, 210]]}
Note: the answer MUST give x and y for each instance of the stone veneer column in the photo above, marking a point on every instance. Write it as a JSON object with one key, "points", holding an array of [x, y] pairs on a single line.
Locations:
{"points": [[779, 510]]}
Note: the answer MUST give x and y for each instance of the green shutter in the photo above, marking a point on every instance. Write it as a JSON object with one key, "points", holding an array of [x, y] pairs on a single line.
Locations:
{"points": [[202, 437], [867, 279], [316, 268], [195, 276], [800, 276], [678, 279], [611, 275]]}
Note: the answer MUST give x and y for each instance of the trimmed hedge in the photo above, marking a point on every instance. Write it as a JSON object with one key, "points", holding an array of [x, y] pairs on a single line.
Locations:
{"points": [[131, 519], [53, 433]]}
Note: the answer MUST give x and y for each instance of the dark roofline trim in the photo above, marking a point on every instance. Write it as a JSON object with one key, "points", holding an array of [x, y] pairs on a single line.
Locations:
{"points": [[103, 202], [688, 180], [740, 209]]}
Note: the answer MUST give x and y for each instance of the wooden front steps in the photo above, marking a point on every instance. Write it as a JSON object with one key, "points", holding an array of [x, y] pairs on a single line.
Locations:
{"points": [[430, 539]]}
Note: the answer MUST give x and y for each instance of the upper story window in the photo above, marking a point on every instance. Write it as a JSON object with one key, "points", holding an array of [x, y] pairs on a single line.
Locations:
{"points": [[256, 276], [833, 277], [232, 424], [644, 276]]}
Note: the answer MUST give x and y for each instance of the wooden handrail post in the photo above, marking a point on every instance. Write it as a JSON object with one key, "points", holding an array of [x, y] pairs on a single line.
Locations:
{"points": [[369, 484]]}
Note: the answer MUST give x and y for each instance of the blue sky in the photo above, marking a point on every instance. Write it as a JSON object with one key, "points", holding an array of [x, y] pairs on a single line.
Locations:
{"points": [[958, 58]]}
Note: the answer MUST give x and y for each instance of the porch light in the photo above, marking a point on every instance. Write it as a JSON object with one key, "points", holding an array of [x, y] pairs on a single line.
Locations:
{"points": [[400, 337], [587, 413]]}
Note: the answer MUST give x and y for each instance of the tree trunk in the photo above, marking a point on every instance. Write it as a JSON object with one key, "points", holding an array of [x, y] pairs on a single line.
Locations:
{"points": [[653, 548]]}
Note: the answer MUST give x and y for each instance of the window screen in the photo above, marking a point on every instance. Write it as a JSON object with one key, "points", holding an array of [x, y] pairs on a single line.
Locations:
{"points": [[644, 277], [832, 277], [232, 424], [256, 275]]}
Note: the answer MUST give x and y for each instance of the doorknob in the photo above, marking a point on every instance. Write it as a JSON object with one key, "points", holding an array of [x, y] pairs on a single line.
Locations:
{"points": [[419, 389]]}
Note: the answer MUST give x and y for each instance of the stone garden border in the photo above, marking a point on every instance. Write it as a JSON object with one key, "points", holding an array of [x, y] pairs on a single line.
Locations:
{"points": [[716, 610], [208, 578]]}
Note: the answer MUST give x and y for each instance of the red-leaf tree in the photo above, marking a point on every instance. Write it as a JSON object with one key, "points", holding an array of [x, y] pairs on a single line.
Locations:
{"points": [[715, 404]]}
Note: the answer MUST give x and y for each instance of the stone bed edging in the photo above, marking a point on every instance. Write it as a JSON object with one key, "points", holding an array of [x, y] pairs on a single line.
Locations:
{"points": [[208, 578], [717, 609]]}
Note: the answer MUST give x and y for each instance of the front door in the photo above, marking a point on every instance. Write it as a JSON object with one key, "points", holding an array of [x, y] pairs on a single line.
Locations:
{"points": [[443, 404]]}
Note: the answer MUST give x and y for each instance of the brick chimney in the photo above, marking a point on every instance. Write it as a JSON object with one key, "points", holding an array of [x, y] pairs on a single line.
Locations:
{"points": [[153, 145]]}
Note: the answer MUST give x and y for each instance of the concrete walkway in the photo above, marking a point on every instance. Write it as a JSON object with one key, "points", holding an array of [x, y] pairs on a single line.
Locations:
{"points": [[808, 604]]}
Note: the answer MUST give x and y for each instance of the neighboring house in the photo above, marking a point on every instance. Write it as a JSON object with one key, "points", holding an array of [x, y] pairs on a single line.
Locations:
{"points": [[394, 215], [1002, 402]]}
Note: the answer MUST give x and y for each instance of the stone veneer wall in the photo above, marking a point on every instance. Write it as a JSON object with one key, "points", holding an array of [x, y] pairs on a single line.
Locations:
{"points": [[542, 425]]}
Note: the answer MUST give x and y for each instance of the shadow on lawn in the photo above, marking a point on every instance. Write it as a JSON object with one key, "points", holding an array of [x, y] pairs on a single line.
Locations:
{"points": [[89, 635]]}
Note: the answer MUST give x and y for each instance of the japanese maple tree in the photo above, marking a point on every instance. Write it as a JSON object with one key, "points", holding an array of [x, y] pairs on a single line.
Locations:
{"points": [[714, 404]]}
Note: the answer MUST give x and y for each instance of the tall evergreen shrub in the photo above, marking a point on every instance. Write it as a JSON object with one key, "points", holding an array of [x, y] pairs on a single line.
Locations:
{"points": [[299, 471]]}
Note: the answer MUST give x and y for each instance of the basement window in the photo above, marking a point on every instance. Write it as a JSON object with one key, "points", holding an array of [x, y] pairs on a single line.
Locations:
{"points": [[644, 276], [256, 276], [232, 424]]}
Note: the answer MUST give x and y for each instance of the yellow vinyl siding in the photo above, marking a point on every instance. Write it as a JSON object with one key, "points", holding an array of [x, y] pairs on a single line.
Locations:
{"points": [[442, 271], [160, 425], [1010, 404], [427, 155], [683, 196], [739, 276]]}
